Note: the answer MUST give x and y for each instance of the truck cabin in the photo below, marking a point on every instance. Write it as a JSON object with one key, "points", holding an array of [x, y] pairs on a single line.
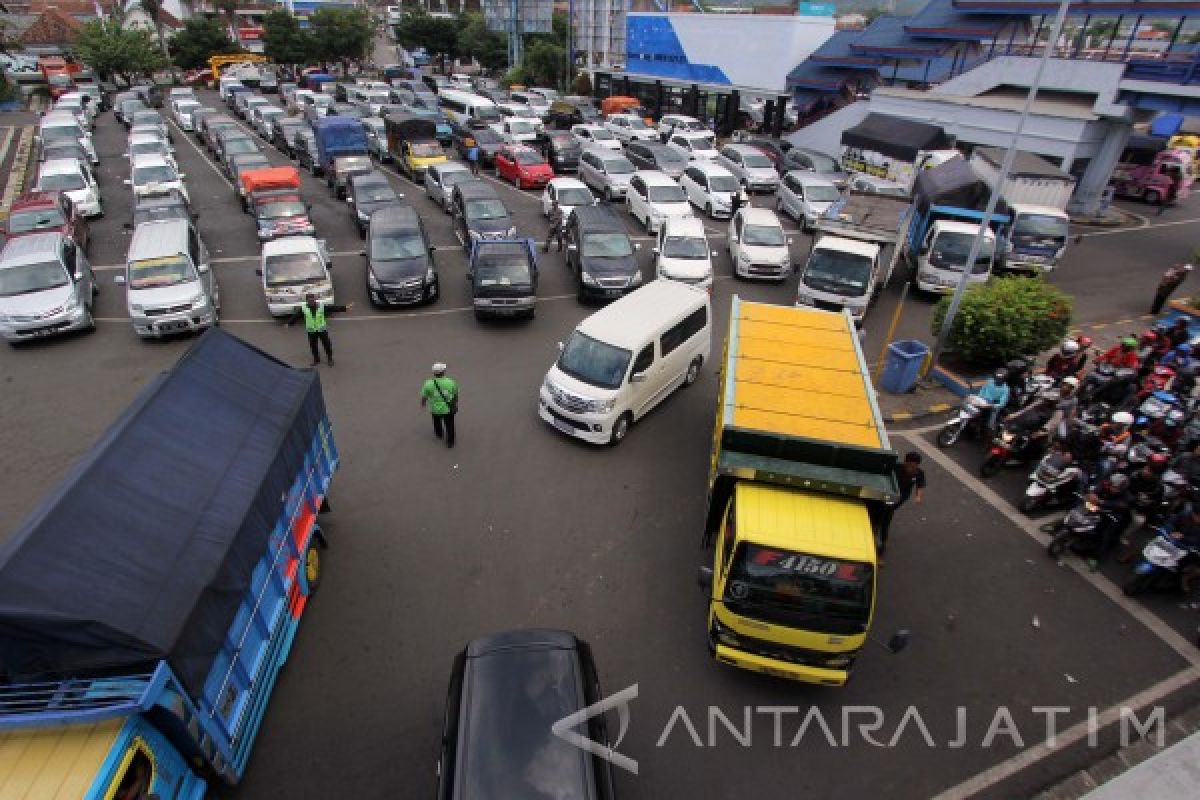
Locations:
{"points": [[844, 267], [948, 245], [1039, 227]]}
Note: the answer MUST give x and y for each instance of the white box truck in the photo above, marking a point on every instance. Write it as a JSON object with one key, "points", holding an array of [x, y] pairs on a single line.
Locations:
{"points": [[1036, 193], [895, 148]]}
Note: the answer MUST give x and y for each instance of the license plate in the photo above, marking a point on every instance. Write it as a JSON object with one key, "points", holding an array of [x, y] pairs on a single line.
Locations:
{"points": [[562, 426], [612, 292], [178, 325]]}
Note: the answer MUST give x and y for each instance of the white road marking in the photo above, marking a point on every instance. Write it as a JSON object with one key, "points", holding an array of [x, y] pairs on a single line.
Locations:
{"points": [[1175, 641], [9, 133], [1140, 228], [16, 175], [202, 155]]}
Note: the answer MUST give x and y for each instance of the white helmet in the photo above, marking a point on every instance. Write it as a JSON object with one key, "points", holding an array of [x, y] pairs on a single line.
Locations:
{"points": [[1069, 347], [1071, 381], [1122, 418]]}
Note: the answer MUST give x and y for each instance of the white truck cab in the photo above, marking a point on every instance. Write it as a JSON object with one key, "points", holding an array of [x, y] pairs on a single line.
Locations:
{"points": [[839, 274], [1037, 239], [292, 267], [943, 256]]}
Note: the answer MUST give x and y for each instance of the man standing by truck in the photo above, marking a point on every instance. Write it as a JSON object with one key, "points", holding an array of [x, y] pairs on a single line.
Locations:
{"points": [[313, 314], [910, 478]]}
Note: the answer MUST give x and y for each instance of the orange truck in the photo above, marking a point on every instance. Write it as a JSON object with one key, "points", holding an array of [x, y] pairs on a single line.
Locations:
{"points": [[59, 74], [273, 197], [622, 104]]}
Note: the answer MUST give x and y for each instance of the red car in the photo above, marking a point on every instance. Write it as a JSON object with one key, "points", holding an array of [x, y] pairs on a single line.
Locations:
{"points": [[524, 166], [47, 212]]}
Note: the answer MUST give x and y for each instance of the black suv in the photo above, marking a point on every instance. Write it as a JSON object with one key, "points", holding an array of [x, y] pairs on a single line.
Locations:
{"points": [[400, 270], [283, 132], [601, 254], [367, 192], [654, 155], [507, 692], [562, 150], [565, 113], [479, 214]]}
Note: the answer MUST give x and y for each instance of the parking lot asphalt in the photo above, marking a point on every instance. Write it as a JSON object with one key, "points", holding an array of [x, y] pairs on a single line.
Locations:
{"points": [[518, 526]]}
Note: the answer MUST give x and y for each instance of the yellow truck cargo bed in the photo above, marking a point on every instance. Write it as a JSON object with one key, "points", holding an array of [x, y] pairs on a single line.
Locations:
{"points": [[55, 763]]}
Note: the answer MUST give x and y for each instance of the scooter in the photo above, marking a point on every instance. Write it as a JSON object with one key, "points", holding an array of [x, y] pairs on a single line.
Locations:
{"points": [[1165, 565], [1012, 447], [1054, 484], [971, 419], [1108, 384], [1080, 523]]}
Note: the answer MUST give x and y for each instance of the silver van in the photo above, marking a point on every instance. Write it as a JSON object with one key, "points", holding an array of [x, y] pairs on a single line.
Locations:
{"points": [[46, 287], [169, 284], [606, 172]]}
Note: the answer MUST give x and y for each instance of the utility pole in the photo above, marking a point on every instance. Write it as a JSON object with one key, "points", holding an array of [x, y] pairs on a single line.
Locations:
{"points": [[994, 199]]}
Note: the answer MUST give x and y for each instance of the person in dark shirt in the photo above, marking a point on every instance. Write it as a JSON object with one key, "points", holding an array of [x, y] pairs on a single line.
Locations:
{"points": [[910, 479]]}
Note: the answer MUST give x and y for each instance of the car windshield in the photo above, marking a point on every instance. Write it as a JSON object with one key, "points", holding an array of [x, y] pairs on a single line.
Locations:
{"points": [[638, 124], [592, 361], [667, 194], [485, 136], [575, 196], [602, 134], [822, 194], [668, 158], [504, 266], [951, 249], [606, 245], [1041, 226], [704, 144], [155, 147], [292, 269], [822, 162], [61, 132], [845, 274], [282, 207], [691, 125], [373, 192], [353, 164], [61, 182], [322, 101], [425, 150], [763, 236], [529, 157], [453, 176], [159, 212], [29, 278], [63, 151], [397, 245], [796, 589], [158, 173], [619, 166], [486, 209], [129, 106], [36, 220], [563, 140], [756, 161], [487, 113], [685, 247], [154, 273], [147, 118], [722, 183], [240, 145]]}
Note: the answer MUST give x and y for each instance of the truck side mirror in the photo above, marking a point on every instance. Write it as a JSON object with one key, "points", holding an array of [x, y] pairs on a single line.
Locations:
{"points": [[704, 578], [637, 245], [258, 272], [637, 377], [119, 280], [202, 268]]}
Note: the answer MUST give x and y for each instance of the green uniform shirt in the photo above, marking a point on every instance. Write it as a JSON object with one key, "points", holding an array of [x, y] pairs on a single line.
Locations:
{"points": [[448, 387], [314, 321]]}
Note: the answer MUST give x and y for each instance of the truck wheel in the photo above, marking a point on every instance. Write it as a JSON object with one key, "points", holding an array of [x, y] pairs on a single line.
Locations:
{"points": [[1152, 197], [312, 568], [620, 429], [693, 371]]}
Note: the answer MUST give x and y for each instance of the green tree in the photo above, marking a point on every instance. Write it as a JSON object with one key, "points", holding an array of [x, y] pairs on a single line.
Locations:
{"points": [[285, 42], [112, 50], [474, 40], [1006, 318], [342, 34], [545, 63], [437, 35], [200, 38]]}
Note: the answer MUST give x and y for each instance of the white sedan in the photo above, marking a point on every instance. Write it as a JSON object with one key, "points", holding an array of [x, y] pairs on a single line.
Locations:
{"points": [[568, 193]]}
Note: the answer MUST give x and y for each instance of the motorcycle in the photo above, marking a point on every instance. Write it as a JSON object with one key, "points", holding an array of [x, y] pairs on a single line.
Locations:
{"points": [[1108, 384], [1054, 484], [1154, 407], [971, 419], [1165, 565], [1011, 447], [1157, 380], [1080, 523]]}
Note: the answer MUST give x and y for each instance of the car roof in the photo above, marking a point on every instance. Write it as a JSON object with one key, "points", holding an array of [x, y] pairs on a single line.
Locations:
{"points": [[686, 226], [760, 216], [709, 168], [866, 249], [953, 226], [157, 238], [171, 197], [290, 244], [58, 166], [563, 182], [476, 190], [150, 160], [744, 148], [394, 217], [809, 178], [450, 166], [654, 301], [604, 153], [653, 177], [29, 249], [598, 219], [694, 135], [374, 176]]}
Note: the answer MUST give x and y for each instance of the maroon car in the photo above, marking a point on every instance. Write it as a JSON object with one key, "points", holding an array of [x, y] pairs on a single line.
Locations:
{"points": [[43, 212]]}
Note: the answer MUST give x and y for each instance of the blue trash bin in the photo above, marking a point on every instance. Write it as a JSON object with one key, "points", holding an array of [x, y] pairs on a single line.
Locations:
{"points": [[903, 365]]}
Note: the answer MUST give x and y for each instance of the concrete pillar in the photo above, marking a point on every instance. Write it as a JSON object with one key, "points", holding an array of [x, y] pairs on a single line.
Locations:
{"points": [[1099, 170]]}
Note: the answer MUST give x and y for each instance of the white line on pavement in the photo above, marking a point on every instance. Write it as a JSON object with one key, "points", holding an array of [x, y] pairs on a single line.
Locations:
{"points": [[1139, 228], [1030, 527], [202, 155], [9, 133], [16, 175], [1076, 733]]}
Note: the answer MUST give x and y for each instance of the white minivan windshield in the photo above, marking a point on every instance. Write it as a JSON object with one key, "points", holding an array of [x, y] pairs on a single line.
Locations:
{"points": [[592, 361]]}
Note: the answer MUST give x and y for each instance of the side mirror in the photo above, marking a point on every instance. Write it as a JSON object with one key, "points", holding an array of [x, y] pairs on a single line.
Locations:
{"points": [[572, 248], [258, 272], [119, 280], [790, 240], [637, 377], [714, 253], [704, 578], [202, 268], [350, 200], [654, 250], [182, 175], [127, 182], [560, 347], [78, 276]]}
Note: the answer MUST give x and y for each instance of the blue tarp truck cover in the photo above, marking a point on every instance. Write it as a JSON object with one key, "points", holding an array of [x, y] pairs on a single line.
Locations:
{"points": [[146, 548], [339, 136]]}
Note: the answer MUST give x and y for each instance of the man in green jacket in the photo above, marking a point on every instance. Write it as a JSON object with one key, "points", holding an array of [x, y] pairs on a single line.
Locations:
{"points": [[441, 393], [312, 314]]}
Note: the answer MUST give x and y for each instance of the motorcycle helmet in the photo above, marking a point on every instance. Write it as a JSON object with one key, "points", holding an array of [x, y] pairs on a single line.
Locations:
{"points": [[1000, 376], [1184, 350], [1129, 343], [1116, 483], [1085, 342], [1158, 462], [1122, 418], [1069, 347], [1071, 381], [1147, 337], [1161, 328]]}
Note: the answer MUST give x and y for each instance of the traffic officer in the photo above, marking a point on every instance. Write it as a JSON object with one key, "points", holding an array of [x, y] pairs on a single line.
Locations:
{"points": [[441, 393], [313, 315], [558, 228]]}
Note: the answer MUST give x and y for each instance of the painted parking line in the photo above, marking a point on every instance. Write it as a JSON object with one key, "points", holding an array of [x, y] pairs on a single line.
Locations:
{"points": [[1140, 228], [16, 174], [203, 155]]}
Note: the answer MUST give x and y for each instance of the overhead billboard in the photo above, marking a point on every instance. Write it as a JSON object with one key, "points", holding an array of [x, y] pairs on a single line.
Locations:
{"points": [[533, 16]]}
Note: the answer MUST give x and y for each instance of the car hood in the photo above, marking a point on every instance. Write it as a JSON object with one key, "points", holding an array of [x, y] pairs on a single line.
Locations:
{"points": [[500, 225], [367, 208], [537, 170], [762, 173], [565, 383], [609, 265], [165, 296], [765, 254], [36, 304], [687, 268], [398, 269], [681, 209]]}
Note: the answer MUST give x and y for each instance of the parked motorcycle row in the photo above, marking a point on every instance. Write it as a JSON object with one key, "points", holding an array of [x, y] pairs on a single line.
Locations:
{"points": [[1114, 443]]}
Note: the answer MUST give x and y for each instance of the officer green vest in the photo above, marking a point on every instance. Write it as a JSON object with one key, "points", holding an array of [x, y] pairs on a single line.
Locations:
{"points": [[314, 321]]}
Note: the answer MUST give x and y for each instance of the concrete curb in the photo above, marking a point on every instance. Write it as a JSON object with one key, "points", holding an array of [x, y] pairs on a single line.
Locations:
{"points": [[897, 417], [1119, 219]]}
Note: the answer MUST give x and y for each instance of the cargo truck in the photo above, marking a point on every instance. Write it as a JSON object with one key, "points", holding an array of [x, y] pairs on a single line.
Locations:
{"points": [[948, 203], [895, 148], [412, 141], [799, 454], [1149, 171], [339, 138], [1037, 194], [148, 605], [856, 245]]}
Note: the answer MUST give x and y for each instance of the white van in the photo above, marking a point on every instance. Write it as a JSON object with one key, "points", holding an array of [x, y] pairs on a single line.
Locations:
{"points": [[682, 252], [74, 179], [293, 267], [625, 359], [169, 283], [468, 110]]}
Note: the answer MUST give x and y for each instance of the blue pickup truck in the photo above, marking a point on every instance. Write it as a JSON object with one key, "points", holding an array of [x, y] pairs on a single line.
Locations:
{"points": [[148, 604]]}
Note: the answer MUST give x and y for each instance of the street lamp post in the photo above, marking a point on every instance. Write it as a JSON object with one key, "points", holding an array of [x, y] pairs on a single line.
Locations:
{"points": [[994, 198]]}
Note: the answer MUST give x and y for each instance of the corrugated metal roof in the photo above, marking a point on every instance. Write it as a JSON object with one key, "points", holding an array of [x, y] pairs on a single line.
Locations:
{"points": [[58, 763]]}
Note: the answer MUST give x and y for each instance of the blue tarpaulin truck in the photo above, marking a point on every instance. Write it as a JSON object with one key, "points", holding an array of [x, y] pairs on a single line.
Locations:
{"points": [[148, 604], [345, 140]]}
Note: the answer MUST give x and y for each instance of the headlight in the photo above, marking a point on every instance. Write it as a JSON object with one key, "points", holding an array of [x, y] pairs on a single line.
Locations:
{"points": [[511, 233], [372, 281], [5, 318], [743, 258], [602, 406], [198, 300], [138, 307], [636, 280], [805, 300], [430, 275], [587, 278], [476, 234]]}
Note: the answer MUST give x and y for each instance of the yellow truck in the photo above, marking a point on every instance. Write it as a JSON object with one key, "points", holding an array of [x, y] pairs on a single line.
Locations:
{"points": [[799, 455]]}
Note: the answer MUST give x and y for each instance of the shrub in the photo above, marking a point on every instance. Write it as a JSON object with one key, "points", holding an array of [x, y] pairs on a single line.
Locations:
{"points": [[1005, 318]]}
